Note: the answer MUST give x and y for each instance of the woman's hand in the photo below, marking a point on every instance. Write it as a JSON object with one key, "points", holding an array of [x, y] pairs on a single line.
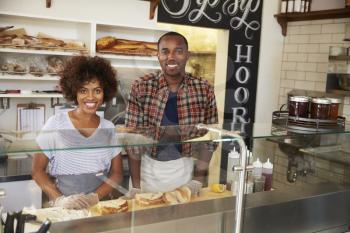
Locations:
{"points": [[76, 201]]}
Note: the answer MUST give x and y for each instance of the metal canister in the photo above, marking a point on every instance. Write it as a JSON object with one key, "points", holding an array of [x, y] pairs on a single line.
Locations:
{"points": [[298, 106], [2, 196], [320, 108], [334, 108]]}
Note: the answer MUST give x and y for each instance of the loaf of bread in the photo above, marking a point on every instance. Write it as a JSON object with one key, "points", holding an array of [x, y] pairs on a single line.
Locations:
{"points": [[105, 42], [50, 42], [110, 44]]}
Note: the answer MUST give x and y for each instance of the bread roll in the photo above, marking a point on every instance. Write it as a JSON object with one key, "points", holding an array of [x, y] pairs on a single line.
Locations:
{"points": [[178, 196], [170, 198], [184, 194]]}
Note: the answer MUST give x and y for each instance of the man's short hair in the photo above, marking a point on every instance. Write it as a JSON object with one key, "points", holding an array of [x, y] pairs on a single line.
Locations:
{"points": [[173, 34]]}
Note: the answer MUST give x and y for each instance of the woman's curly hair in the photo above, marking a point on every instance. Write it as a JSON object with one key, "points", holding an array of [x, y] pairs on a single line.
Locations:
{"points": [[81, 69]]}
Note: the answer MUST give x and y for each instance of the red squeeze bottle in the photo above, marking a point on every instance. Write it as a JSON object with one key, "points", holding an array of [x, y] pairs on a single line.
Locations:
{"points": [[267, 172]]}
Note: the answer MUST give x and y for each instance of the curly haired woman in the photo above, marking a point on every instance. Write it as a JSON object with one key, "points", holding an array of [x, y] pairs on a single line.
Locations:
{"points": [[89, 82]]}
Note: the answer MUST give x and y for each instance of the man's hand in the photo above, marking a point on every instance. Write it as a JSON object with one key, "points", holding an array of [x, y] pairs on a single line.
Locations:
{"points": [[132, 192], [76, 201], [195, 186]]}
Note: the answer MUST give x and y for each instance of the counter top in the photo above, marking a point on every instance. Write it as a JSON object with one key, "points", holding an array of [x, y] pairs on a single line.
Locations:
{"points": [[16, 168], [265, 212]]}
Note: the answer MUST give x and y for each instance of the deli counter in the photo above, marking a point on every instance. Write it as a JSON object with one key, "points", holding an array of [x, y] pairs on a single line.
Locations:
{"points": [[282, 182]]}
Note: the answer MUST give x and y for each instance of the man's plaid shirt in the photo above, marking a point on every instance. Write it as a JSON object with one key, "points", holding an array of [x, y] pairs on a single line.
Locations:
{"points": [[148, 97]]}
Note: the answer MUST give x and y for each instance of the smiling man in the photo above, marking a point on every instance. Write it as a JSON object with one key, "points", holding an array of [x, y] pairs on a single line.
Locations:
{"points": [[171, 98]]}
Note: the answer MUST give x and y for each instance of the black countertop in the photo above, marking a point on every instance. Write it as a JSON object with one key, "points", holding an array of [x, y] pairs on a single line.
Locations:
{"points": [[16, 168]]}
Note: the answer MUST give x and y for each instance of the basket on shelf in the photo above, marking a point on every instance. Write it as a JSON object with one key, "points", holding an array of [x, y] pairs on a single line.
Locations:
{"points": [[347, 3]]}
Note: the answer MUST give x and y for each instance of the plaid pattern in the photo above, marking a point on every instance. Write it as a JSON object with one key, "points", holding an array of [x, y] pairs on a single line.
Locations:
{"points": [[148, 97]]}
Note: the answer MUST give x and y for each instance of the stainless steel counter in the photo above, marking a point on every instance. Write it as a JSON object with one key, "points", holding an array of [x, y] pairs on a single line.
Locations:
{"points": [[320, 208]]}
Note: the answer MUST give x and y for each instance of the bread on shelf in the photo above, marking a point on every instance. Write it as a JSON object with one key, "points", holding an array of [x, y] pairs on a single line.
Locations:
{"points": [[114, 45]]}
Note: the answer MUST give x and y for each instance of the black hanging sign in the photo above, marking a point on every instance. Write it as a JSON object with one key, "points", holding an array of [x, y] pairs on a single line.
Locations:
{"points": [[243, 20]]}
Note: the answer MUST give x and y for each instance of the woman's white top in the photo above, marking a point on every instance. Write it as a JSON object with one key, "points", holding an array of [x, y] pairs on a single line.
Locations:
{"points": [[71, 153]]}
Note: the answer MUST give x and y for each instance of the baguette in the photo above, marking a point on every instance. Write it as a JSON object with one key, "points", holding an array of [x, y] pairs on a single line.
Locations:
{"points": [[124, 46]]}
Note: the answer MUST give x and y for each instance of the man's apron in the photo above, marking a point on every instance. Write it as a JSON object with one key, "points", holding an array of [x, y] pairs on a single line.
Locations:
{"points": [[164, 176]]}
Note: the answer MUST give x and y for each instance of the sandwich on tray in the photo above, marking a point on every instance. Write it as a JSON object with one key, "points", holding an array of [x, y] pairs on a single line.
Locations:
{"points": [[148, 199], [112, 206], [179, 195]]}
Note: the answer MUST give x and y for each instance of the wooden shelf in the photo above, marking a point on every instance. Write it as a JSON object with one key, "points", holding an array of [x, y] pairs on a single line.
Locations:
{"points": [[42, 51], [340, 58], [339, 92], [284, 18], [29, 77], [38, 95]]}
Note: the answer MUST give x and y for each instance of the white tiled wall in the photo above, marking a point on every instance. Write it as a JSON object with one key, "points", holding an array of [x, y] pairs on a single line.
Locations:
{"points": [[305, 56]]}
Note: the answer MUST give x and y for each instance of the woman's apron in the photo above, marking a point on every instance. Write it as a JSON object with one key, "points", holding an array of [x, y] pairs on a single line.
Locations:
{"points": [[75, 184], [164, 176]]}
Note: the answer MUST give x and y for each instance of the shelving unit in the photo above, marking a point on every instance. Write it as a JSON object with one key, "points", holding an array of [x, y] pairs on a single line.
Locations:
{"points": [[128, 67], [284, 18]]}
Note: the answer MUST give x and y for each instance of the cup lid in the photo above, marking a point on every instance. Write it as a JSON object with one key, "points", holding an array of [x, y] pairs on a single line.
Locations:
{"points": [[335, 100], [321, 101], [299, 98]]}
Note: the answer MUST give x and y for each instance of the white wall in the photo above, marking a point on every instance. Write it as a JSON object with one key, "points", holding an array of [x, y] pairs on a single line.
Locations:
{"points": [[121, 12], [135, 13], [318, 5], [271, 47], [305, 56]]}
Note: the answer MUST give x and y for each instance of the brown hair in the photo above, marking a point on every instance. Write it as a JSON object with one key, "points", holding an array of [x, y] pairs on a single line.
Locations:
{"points": [[82, 69]]}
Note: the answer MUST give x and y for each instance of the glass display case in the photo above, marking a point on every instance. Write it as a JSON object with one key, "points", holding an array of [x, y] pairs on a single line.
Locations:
{"points": [[290, 182], [175, 156]]}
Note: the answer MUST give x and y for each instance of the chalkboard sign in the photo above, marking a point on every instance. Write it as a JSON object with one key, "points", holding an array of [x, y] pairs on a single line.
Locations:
{"points": [[243, 20]]}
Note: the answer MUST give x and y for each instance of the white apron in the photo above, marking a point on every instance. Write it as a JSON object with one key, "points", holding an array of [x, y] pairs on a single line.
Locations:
{"points": [[164, 176]]}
